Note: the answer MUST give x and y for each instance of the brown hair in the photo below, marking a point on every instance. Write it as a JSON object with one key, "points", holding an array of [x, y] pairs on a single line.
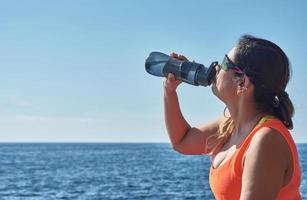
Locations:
{"points": [[269, 69]]}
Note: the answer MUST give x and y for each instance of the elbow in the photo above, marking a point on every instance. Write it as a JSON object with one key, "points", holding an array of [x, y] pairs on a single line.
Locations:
{"points": [[177, 149], [178, 146], [181, 150]]}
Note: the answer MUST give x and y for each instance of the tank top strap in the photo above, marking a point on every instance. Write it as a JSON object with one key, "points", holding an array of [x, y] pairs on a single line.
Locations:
{"points": [[263, 122]]}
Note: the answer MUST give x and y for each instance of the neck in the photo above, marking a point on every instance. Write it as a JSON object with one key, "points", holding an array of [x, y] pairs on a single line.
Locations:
{"points": [[245, 116]]}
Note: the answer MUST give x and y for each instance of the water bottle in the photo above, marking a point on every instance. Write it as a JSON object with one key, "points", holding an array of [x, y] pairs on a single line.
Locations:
{"points": [[160, 64]]}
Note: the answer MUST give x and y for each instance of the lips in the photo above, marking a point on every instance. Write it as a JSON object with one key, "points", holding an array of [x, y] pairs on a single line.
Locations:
{"points": [[214, 79]]}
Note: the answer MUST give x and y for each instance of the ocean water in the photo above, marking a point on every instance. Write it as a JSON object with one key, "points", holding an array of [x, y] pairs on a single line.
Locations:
{"points": [[107, 171]]}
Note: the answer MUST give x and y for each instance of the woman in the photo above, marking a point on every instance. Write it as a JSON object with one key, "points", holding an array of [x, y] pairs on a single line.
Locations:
{"points": [[253, 153]]}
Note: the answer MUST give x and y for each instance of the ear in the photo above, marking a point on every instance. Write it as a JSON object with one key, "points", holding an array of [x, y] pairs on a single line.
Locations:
{"points": [[243, 84]]}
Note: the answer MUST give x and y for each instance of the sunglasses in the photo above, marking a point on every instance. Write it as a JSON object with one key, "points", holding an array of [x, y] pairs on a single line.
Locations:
{"points": [[228, 64]]}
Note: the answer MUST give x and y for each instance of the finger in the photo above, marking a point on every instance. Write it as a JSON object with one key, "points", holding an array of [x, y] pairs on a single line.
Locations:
{"points": [[182, 57], [174, 55], [169, 78], [167, 81], [170, 75]]}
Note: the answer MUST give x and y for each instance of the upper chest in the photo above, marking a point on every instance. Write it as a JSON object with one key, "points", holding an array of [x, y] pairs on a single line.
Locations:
{"points": [[227, 152]]}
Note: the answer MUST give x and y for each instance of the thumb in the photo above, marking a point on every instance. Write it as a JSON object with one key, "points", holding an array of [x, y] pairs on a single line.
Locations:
{"points": [[171, 76]]}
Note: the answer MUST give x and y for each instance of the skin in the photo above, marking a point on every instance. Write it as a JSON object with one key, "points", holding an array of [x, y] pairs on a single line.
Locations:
{"points": [[266, 169]]}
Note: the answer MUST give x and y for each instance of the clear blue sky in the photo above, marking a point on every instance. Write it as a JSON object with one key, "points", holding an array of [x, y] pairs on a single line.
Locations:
{"points": [[74, 70]]}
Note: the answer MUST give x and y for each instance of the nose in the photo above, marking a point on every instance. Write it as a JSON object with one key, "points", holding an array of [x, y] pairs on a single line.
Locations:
{"points": [[217, 68]]}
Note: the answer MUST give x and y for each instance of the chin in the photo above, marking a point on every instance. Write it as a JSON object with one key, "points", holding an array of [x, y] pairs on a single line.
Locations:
{"points": [[216, 92], [214, 89]]}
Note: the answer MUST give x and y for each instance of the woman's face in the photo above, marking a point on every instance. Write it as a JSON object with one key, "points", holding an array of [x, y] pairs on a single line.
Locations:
{"points": [[224, 87]]}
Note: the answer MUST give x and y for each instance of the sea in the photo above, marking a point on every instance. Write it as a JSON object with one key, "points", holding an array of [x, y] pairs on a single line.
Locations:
{"points": [[107, 171]]}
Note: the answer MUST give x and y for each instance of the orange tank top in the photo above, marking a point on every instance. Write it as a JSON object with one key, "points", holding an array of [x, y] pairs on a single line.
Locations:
{"points": [[225, 180]]}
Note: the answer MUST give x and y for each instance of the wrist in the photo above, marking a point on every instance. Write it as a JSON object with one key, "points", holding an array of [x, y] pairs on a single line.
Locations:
{"points": [[169, 92]]}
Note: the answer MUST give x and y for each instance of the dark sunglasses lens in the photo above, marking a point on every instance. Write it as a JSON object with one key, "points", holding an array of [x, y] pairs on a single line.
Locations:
{"points": [[225, 64]]}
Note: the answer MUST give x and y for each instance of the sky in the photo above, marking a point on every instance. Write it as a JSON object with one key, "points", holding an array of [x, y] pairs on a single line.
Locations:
{"points": [[73, 70]]}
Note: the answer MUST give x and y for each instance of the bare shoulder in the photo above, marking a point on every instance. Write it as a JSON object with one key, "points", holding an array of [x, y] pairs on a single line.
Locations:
{"points": [[269, 144], [267, 138]]}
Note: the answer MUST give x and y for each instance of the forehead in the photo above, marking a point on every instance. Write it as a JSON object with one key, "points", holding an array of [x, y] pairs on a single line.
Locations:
{"points": [[231, 53]]}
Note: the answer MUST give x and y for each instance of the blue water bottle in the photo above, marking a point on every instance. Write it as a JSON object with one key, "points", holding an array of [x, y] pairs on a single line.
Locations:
{"points": [[160, 64]]}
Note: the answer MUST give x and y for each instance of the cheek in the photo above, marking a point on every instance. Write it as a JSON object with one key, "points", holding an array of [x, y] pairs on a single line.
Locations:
{"points": [[221, 80], [224, 83]]}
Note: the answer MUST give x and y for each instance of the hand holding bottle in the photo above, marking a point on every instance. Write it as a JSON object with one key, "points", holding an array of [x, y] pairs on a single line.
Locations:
{"points": [[170, 83]]}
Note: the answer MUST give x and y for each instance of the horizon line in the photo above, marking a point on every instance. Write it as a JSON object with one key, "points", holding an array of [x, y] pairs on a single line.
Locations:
{"points": [[93, 142]]}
